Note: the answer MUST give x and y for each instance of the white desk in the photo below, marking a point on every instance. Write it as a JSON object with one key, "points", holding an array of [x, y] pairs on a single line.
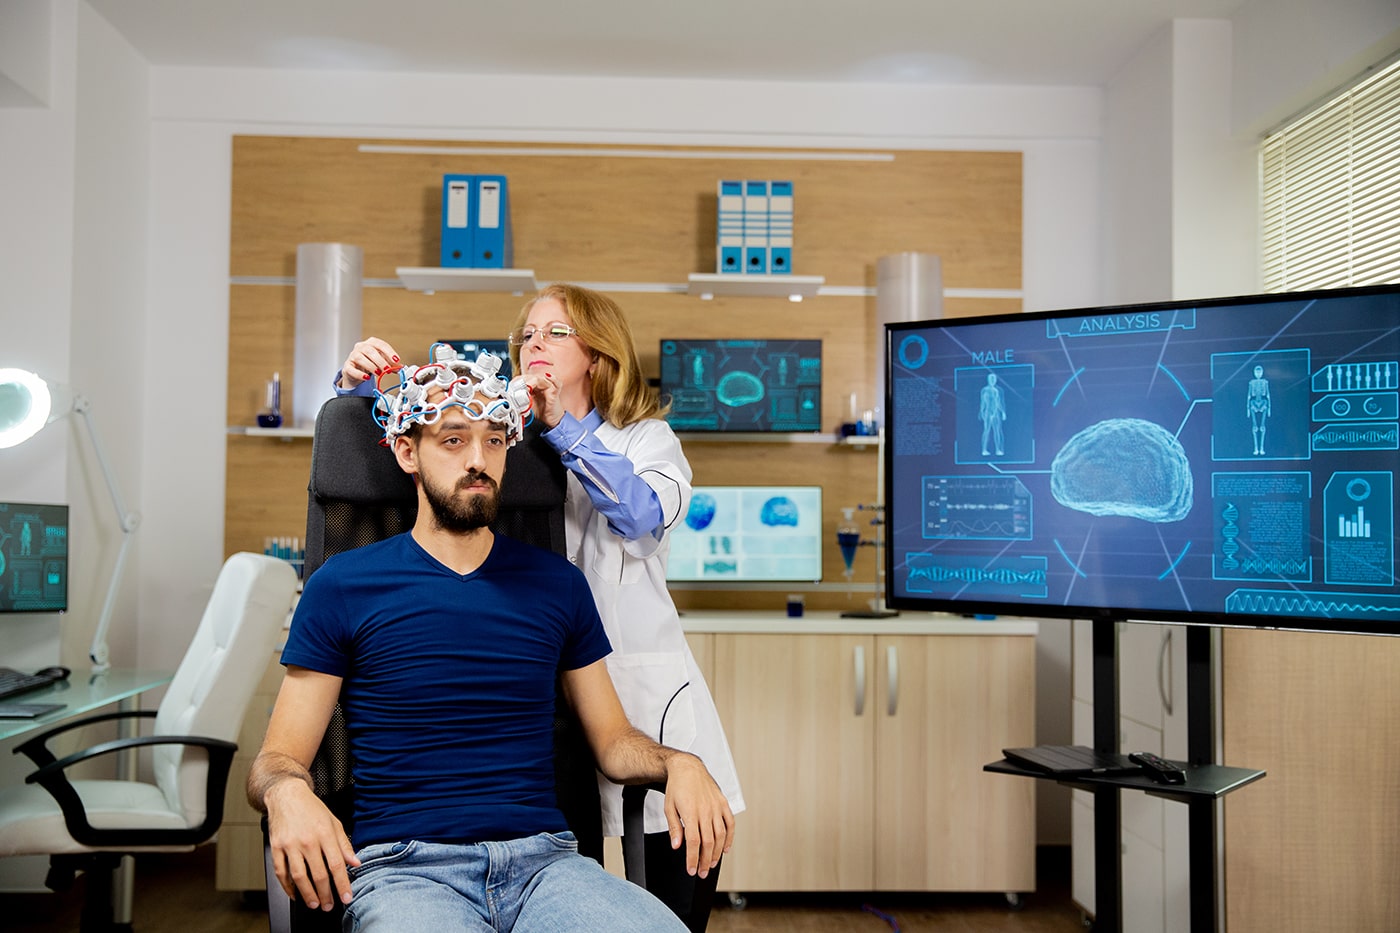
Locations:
{"points": [[81, 694], [84, 693]]}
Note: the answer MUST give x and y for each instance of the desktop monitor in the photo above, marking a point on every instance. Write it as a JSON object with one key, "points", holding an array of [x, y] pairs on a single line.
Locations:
{"points": [[33, 557], [1225, 462], [742, 385], [470, 348], [749, 534]]}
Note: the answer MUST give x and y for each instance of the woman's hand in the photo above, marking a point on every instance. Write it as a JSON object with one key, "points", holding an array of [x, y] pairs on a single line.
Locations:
{"points": [[545, 399], [370, 357]]}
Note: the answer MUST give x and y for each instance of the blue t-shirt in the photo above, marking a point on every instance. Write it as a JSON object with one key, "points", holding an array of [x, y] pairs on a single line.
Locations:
{"points": [[448, 683]]}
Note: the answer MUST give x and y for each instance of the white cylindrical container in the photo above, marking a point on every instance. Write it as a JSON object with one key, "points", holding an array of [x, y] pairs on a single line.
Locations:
{"points": [[908, 287], [329, 280]]}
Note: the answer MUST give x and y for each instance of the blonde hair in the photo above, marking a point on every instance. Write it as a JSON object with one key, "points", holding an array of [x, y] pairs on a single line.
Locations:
{"points": [[620, 392]]}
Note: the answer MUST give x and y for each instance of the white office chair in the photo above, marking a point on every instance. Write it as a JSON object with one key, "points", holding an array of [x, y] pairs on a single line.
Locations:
{"points": [[88, 825]]}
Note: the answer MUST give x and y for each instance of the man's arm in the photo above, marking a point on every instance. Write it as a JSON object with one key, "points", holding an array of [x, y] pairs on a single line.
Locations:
{"points": [[696, 810], [309, 847]]}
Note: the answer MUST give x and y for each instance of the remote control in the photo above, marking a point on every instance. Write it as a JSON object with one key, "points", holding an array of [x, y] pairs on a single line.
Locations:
{"points": [[1158, 769]]}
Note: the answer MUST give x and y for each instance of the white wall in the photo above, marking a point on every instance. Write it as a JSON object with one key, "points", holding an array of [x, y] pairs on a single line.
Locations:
{"points": [[1290, 53], [107, 269], [1182, 121], [1136, 259], [36, 237], [26, 47]]}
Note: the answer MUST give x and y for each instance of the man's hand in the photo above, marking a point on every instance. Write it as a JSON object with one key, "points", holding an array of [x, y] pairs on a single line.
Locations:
{"points": [[309, 847], [697, 813]]}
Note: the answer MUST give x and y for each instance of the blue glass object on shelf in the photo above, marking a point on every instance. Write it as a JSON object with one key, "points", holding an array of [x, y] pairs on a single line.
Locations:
{"points": [[271, 416]]}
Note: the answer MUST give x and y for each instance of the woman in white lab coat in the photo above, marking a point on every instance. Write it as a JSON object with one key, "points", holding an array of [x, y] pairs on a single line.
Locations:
{"points": [[629, 484]]}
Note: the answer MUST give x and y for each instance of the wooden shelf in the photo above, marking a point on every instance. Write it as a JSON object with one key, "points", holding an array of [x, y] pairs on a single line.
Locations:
{"points": [[793, 287], [434, 279]]}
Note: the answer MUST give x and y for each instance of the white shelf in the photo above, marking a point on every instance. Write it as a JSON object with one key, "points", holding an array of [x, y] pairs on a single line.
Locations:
{"points": [[286, 434], [756, 437], [794, 287], [434, 279], [858, 440]]}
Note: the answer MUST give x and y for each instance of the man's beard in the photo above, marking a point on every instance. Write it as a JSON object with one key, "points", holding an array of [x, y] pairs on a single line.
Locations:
{"points": [[463, 514]]}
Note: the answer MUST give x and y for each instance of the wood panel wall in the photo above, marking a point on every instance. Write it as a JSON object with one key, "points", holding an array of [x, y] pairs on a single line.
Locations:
{"points": [[1316, 844], [597, 216]]}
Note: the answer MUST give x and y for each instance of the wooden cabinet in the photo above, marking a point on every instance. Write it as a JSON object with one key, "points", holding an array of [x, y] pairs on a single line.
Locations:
{"points": [[861, 760], [943, 704], [797, 712]]}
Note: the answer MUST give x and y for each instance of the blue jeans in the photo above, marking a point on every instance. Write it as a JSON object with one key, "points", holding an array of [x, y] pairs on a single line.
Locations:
{"points": [[539, 883]]}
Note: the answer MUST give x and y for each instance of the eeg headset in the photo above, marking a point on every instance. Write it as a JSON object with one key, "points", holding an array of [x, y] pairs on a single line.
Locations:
{"points": [[475, 387]]}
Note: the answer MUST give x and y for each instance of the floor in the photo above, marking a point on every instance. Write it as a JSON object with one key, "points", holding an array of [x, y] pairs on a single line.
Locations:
{"points": [[175, 894]]}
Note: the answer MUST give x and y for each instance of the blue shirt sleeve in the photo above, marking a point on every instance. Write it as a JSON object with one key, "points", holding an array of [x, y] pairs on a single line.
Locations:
{"points": [[365, 388], [587, 642], [318, 638], [631, 506]]}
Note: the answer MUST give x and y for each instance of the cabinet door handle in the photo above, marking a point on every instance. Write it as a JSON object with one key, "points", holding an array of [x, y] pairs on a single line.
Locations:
{"points": [[892, 669], [860, 680], [1163, 681]]}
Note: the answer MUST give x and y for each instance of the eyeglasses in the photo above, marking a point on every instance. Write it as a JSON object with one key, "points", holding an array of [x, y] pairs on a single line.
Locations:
{"points": [[554, 332]]}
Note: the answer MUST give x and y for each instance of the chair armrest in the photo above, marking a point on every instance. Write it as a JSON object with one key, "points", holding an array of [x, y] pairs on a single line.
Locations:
{"points": [[52, 778], [36, 748], [634, 860]]}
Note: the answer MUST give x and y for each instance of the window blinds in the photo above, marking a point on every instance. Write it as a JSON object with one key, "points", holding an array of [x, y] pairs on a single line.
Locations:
{"points": [[1331, 191]]}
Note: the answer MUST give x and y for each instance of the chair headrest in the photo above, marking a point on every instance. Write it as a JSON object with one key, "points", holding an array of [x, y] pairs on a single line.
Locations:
{"points": [[348, 463]]}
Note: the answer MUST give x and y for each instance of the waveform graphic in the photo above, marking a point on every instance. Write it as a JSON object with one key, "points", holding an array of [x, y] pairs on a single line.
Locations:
{"points": [[982, 529], [1273, 565], [939, 573], [1325, 605], [996, 507], [1357, 437]]}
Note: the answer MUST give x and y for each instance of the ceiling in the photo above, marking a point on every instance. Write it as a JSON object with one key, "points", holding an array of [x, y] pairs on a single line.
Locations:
{"points": [[989, 42]]}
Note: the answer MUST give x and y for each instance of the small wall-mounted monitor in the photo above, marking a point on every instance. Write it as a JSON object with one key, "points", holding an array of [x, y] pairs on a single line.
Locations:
{"points": [[33, 557], [742, 385], [749, 533], [470, 348]]}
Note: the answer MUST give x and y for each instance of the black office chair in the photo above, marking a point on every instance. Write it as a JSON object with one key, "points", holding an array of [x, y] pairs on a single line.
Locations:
{"points": [[357, 495]]}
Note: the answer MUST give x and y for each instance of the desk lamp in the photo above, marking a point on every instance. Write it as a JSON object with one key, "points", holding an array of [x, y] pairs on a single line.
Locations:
{"points": [[27, 403]]}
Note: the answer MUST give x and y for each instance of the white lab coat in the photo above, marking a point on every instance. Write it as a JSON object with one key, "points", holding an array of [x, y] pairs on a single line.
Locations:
{"points": [[651, 660]]}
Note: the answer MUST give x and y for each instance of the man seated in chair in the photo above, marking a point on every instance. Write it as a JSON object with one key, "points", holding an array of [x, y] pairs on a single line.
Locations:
{"points": [[442, 645]]}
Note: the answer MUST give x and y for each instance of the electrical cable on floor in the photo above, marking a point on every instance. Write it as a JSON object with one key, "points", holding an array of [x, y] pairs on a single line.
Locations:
{"points": [[888, 918]]}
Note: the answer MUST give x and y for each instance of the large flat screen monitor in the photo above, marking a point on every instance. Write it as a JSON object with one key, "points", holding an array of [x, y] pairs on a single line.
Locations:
{"points": [[33, 557], [742, 385], [1226, 462], [748, 534]]}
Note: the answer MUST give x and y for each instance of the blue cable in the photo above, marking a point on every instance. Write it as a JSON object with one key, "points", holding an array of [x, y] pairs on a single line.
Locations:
{"points": [[888, 918]]}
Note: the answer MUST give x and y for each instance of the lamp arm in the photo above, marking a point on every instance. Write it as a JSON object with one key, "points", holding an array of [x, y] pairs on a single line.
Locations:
{"points": [[129, 522]]}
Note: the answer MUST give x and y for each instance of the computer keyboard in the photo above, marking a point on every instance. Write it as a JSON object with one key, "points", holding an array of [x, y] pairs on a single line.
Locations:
{"points": [[13, 682]]}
